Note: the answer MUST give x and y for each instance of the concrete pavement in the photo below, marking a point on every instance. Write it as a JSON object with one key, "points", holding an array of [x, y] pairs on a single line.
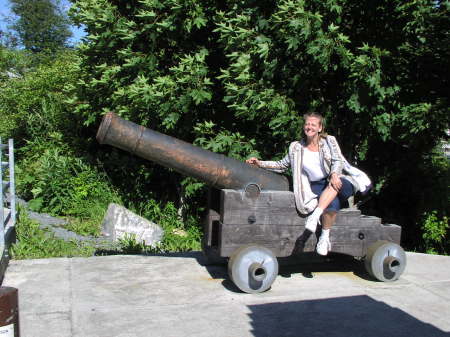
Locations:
{"points": [[175, 295]]}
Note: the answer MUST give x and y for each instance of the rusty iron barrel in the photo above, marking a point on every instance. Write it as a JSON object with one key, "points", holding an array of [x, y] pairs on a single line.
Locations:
{"points": [[214, 169]]}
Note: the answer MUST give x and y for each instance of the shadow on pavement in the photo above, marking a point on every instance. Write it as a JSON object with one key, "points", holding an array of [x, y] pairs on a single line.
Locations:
{"points": [[306, 265], [355, 316], [309, 263]]}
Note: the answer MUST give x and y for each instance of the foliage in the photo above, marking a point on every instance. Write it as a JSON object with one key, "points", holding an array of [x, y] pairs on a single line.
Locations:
{"points": [[129, 245], [435, 233], [35, 243], [32, 104], [179, 235], [54, 170], [56, 182], [41, 25], [7, 39], [13, 63], [235, 77]]}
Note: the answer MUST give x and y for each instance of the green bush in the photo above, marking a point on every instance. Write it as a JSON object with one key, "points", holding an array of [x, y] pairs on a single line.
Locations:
{"points": [[56, 182], [436, 235], [13, 63], [235, 77], [32, 105], [179, 235], [55, 171], [34, 242]]}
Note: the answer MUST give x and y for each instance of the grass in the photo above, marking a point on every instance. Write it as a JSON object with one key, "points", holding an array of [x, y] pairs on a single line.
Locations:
{"points": [[36, 243]]}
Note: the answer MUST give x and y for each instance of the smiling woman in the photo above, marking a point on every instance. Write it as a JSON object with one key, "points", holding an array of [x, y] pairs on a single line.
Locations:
{"points": [[319, 184]]}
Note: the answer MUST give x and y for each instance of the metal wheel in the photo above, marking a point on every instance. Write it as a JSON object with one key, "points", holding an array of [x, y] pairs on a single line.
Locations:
{"points": [[253, 268], [385, 261]]}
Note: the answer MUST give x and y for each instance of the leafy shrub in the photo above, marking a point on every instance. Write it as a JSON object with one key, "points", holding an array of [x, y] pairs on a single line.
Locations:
{"points": [[13, 63], [56, 182], [32, 104], [235, 77], [436, 235], [179, 236], [56, 172]]}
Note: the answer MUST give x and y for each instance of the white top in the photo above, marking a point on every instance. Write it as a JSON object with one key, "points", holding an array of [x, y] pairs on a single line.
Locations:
{"points": [[312, 165]]}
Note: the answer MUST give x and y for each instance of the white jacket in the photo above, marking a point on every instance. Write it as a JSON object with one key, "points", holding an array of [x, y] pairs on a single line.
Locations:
{"points": [[333, 162]]}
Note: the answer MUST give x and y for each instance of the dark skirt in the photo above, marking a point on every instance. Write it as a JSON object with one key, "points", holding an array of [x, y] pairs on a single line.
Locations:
{"points": [[340, 201]]}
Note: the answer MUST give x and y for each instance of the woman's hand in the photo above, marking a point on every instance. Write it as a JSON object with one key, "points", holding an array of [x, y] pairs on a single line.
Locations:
{"points": [[253, 161], [335, 182]]}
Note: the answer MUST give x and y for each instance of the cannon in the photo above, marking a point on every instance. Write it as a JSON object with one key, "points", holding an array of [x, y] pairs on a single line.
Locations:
{"points": [[252, 219]]}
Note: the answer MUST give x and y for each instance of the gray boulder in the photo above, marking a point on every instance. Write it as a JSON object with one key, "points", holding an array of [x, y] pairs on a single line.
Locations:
{"points": [[120, 222]]}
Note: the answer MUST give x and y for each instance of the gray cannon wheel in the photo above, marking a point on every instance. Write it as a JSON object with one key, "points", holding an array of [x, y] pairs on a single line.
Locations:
{"points": [[253, 268], [385, 261]]}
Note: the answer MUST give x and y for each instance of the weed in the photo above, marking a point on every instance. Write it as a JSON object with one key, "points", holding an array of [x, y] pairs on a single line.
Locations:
{"points": [[129, 245], [35, 243], [58, 183], [435, 233], [178, 235]]}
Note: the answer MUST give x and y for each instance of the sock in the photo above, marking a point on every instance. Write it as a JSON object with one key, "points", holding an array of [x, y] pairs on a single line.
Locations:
{"points": [[325, 233]]}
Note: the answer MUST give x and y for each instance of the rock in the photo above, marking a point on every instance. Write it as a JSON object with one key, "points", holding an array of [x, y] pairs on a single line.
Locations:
{"points": [[119, 221], [46, 219]]}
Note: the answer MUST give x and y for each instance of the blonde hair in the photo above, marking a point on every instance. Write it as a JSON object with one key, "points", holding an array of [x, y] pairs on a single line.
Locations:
{"points": [[317, 115]]}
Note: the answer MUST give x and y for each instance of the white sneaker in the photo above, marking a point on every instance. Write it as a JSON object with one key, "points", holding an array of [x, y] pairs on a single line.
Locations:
{"points": [[323, 246]]}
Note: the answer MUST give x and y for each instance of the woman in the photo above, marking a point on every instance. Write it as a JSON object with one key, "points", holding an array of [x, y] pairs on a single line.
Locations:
{"points": [[317, 164]]}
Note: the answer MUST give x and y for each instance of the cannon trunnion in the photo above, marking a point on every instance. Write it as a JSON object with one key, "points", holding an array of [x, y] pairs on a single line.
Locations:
{"points": [[252, 219]]}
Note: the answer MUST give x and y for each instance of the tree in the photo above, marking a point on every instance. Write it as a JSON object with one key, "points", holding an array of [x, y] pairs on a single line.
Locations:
{"points": [[41, 25], [236, 76]]}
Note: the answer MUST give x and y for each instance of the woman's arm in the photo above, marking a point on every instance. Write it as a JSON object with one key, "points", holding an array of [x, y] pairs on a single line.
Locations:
{"points": [[276, 166]]}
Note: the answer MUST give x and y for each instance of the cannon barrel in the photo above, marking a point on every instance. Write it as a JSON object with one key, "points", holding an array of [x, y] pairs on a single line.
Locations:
{"points": [[214, 169]]}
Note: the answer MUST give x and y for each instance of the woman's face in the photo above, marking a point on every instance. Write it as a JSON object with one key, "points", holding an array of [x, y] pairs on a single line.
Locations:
{"points": [[312, 127]]}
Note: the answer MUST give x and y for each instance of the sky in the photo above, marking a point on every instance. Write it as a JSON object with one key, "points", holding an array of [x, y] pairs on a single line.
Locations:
{"points": [[5, 11]]}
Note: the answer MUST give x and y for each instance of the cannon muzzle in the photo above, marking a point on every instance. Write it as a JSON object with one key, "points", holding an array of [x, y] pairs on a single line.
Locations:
{"points": [[214, 169]]}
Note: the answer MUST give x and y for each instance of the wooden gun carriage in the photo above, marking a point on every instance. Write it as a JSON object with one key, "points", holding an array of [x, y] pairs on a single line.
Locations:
{"points": [[252, 219]]}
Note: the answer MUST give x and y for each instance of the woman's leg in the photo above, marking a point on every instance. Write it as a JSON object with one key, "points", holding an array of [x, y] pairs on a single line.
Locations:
{"points": [[330, 213], [324, 244], [326, 198], [328, 219], [329, 203]]}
